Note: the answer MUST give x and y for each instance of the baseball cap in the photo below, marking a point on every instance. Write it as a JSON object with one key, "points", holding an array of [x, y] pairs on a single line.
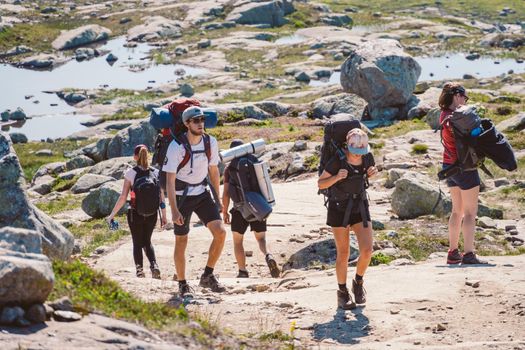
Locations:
{"points": [[357, 142], [192, 112]]}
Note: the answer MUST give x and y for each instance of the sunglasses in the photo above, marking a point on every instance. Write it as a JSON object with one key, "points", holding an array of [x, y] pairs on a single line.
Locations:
{"points": [[465, 96], [198, 120]]}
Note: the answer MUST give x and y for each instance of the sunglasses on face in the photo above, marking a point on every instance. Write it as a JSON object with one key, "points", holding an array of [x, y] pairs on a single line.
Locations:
{"points": [[198, 120], [465, 96]]}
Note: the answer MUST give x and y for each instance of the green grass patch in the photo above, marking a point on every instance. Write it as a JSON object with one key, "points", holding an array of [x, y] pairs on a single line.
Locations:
{"points": [[30, 162], [419, 148], [400, 128], [93, 291], [124, 96], [312, 162], [249, 96], [380, 258], [96, 232], [134, 112], [67, 202], [418, 244], [277, 335]]}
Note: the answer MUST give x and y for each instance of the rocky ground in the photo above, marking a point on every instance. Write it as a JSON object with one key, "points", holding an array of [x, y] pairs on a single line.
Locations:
{"points": [[260, 86]]}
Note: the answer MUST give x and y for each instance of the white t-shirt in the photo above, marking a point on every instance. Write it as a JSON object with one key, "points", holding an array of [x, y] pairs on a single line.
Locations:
{"points": [[189, 174], [131, 173]]}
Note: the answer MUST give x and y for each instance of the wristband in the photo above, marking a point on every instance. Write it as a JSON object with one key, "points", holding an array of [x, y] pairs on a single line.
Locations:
{"points": [[162, 205]]}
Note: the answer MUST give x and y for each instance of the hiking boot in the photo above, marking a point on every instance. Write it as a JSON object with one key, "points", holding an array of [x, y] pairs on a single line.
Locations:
{"points": [[140, 272], [359, 291], [454, 257], [185, 290], [243, 274], [211, 282], [155, 271], [471, 259], [344, 300], [272, 264]]}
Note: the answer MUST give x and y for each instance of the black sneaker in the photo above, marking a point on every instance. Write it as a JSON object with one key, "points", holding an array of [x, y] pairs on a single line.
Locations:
{"points": [[243, 274], [471, 259], [155, 271], [211, 282], [454, 257], [185, 290], [344, 300], [272, 264], [359, 291]]}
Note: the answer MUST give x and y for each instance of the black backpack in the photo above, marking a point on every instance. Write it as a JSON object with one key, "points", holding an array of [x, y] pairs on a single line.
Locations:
{"points": [[352, 190], [473, 148], [244, 189], [147, 192]]}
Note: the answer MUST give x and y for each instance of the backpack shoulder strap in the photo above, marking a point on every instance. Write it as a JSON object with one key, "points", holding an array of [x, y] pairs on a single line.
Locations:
{"points": [[207, 146], [183, 140]]}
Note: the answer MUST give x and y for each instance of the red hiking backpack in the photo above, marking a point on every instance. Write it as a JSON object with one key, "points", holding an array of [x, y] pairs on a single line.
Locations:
{"points": [[176, 132]]}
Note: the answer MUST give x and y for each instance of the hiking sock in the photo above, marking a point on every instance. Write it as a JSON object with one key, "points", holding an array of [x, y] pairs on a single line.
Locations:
{"points": [[358, 277], [208, 271], [342, 287]]}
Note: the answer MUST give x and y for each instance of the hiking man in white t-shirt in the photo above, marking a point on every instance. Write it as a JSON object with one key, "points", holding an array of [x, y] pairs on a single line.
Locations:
{"points": [[186, 173]]}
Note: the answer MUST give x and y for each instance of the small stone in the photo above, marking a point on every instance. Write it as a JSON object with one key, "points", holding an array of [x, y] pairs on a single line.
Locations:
{"points": [[49, 311], [9, 315], [204, 44], [417, 342], [262, 287], [36, 313], [66, 316], [44, 153], [62, 304], [300, 145], [510, 227], [441, 327], [248, 253], [473, 284], [394, 311]]}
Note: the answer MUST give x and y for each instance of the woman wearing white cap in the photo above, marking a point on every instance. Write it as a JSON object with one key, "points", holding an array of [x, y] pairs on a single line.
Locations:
{"points": [[348, 210]]}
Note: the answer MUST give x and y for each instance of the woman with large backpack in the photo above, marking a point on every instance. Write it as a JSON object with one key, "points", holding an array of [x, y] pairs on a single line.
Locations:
{"points": [[146, 199], [463, 186], [346, 178]]}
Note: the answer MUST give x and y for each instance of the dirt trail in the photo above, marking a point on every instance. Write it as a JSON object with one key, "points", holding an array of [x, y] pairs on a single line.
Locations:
{"points": [[405, 303]]}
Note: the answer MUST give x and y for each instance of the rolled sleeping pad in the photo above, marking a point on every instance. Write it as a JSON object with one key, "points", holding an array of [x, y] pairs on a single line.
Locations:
{"points": [[494, 145], [253, 147], [263, 179], [161, 118]]}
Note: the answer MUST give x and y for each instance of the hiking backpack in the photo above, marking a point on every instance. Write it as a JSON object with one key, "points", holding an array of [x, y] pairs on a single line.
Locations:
{"points": [[476, 139], [244, 189], [146, 192], [352, 189]]}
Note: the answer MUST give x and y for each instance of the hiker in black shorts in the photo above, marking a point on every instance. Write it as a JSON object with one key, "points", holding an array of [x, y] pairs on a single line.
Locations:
{"points": [[141, 227], [187, 167], [239, 225], [344, 179]]}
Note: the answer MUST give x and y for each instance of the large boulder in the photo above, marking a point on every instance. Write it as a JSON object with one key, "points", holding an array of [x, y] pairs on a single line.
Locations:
{"points": [[89, 181], [98, 151], [18, 137], [323, 252], [383, 74], [416, 195], [114, 168], [342, 103], [79, 162], [276, 109], [515, 123], [40, 61], [80, 36], [124, 142], [18, 114], [49, 169], [266, 12], [100, 202], [26, 276], [154, 28], [17, 211]]}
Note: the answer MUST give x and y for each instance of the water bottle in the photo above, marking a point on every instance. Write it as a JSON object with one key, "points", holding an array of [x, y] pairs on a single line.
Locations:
{"points": [[113, 225], [476, 131]]}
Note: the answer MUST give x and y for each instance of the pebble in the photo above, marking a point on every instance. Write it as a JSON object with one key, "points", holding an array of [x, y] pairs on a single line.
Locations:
{"points": [[248, 253], [441, 327], [394, 311], [473, 284]]}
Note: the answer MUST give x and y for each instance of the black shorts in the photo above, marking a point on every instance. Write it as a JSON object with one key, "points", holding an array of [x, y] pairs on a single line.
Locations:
{"points": [[239, 224], [336, 215], [465, 180], [203, 205]]}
